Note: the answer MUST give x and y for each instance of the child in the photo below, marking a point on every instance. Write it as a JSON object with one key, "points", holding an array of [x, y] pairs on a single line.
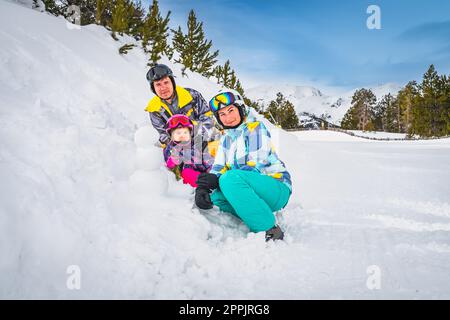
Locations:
{"points": [[185, 156]]}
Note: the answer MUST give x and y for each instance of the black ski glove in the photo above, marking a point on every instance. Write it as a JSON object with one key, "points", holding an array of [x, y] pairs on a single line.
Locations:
{"points": [[207, 181], [202, 198]]}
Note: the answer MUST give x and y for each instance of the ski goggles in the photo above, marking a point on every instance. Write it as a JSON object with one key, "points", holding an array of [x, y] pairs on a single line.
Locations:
{"points": [[179, 120], [158, 72], [222, 100]]}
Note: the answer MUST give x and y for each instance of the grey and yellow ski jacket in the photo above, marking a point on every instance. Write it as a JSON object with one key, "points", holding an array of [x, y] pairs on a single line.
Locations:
{"points": [[190, 103]]}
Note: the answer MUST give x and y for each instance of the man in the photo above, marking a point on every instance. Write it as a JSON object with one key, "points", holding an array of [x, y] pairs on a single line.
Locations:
{"points": [[171, 99]]}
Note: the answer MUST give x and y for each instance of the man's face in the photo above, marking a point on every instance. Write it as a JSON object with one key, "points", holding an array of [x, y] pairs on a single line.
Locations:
{"points": [[230, 116], [163, 88]]}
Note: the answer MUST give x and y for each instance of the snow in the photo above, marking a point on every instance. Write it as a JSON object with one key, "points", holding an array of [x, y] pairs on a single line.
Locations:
{"points": [[83, 184], [324, 135], [379, 134]]}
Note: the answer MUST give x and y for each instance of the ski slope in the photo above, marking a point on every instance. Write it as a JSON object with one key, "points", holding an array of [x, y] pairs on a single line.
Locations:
{"points": [[83, 185]]}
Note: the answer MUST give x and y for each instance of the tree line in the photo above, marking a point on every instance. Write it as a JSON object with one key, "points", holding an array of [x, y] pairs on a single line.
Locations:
{"points": [[421, 109], [190, 48]]}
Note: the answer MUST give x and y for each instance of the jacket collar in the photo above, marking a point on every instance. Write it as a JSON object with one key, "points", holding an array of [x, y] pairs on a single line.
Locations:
{"points": [[184, 98], [249, 120]]}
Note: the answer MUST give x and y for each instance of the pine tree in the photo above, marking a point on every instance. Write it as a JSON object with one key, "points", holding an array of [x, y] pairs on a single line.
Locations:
{"points": [[136, 20], [52, 7], [272, 113], [380, 119], [431, 105], [388, 115], [406, 98], [419, 109], [155, 33], [125, 48], [227, 77], [361, 114], [179, 44], [350, 119], [290, 118], [224, 74], [119, 22], [441, 115], [393, 117], [430, 94], [420, 117], [238, 87], [253, 104], [282, 112], [218, 73], [193, 48], [169, 51], [103, 7], [446, 103], [233, 80]]}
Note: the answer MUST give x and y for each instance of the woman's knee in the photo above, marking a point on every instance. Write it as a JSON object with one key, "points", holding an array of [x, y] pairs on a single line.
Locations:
{"points": [[228, 178]]}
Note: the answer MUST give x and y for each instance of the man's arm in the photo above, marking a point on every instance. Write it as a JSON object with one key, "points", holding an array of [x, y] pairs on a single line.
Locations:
{"points": [[204, 116], [160, 125]]}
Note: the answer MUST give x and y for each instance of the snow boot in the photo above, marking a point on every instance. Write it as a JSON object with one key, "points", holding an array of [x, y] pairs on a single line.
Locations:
{"points": [[274, 233]]}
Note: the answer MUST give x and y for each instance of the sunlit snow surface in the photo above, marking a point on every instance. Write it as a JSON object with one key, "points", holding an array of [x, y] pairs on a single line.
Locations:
{"points": [[83, 184]]}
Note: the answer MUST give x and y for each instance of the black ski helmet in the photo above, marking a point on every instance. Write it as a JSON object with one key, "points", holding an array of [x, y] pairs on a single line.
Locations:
{"points": [[157, 72]]}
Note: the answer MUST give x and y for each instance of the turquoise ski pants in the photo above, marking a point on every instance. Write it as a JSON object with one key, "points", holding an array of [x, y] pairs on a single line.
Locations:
{"points": [[251, 196]]}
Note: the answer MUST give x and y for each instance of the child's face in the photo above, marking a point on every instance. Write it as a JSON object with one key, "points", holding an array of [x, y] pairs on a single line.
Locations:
{"points": [[181, 135]]}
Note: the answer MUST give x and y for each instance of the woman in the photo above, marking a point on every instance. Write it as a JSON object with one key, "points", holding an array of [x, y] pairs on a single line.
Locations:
{"points": [[248, 178]]}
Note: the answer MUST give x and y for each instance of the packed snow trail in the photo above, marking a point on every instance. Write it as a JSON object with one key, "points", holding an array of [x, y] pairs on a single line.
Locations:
{"points": [[82, 184]]}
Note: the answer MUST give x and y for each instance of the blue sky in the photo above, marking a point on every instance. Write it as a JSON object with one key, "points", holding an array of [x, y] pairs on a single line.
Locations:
{"points": [[323, 43]]}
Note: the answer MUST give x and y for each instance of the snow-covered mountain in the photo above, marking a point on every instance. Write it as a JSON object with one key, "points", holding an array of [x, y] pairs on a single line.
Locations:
{"points": [[85, 198], [308, 100]]}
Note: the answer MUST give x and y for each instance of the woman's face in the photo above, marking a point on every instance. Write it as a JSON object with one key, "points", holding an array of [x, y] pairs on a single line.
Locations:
{"points": [[230, 116]]}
